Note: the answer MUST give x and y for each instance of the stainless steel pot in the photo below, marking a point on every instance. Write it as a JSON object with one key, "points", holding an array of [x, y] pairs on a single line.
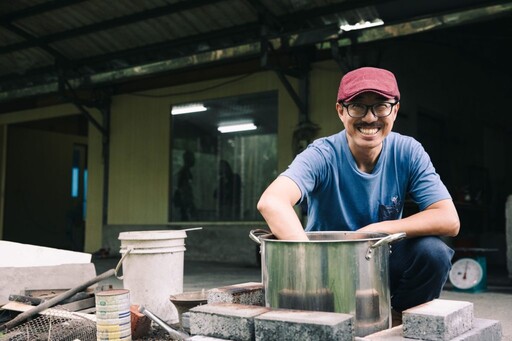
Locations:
{"points": [[338, 271]]}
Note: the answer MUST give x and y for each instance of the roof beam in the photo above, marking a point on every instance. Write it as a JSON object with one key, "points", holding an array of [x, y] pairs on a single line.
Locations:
{"points": [[20, 32], [108, 24], [37, 9]]}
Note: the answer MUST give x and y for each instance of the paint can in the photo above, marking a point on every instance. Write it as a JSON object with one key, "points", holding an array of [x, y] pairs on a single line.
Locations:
{"points": [[113, 315]]}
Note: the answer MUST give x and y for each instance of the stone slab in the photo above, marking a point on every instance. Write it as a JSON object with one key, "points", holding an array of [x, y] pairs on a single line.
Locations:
{"points": [[438, 320], [251, 293], [14, 254], [293, 325], [203, 338], [15, 280], [225, 320], [392, 334], [483, 330]]}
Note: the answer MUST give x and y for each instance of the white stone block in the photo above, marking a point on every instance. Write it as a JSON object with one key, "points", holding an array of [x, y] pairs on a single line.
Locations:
{"points": [[438, 320]]}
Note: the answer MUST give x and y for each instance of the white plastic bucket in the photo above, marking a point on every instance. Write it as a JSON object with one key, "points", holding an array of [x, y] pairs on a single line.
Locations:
{"points": [[153, 269]]}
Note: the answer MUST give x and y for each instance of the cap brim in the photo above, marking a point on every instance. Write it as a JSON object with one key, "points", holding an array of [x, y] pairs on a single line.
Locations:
{"points": [[383, 94]]}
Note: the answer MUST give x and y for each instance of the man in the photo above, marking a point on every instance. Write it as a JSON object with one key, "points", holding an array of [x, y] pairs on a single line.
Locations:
{"points": [[358, 179]]}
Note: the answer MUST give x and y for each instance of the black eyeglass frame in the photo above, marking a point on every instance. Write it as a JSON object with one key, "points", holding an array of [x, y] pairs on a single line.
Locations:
{"points": [[369, 108]]}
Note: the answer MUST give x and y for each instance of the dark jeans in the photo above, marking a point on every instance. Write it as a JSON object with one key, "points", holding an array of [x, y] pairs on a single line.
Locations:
{"points": [[418, 269]]}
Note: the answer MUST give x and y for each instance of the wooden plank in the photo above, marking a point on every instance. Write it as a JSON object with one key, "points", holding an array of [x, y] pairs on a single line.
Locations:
{"points": [[78, 305], [91, 310]]}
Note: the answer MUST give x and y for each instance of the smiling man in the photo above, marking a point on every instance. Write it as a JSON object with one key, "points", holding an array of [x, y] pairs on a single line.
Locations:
{"points": [[358, 179]]}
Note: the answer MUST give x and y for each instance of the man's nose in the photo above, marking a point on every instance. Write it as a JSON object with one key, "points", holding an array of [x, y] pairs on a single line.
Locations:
{"points": [[369, 117]]}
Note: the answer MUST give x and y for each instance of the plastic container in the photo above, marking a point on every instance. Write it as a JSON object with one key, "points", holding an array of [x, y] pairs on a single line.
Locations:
{"points": [[153, 269]]}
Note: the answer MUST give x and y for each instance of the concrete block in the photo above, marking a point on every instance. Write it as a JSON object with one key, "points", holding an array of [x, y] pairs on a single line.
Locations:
{"points": [[26, 255], [185, 321], [293, 325], [483, 330], [15, 280], [438, 320], [225, 320], [251, 293]]}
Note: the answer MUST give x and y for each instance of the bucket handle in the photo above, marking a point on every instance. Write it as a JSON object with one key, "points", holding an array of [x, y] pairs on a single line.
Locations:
{"points": [[121, 263], [254, 234], [385, 241]]}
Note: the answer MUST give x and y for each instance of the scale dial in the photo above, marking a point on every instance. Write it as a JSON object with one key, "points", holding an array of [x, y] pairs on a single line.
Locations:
{"points": [[466, 273]]}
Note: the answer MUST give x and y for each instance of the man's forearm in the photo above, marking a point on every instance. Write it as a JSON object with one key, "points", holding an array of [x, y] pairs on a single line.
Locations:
{"points": [[439, 219], [283, 221]]}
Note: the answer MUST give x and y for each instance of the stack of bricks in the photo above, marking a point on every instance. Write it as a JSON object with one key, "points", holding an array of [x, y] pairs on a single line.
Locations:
{"points": [[237, 312]]}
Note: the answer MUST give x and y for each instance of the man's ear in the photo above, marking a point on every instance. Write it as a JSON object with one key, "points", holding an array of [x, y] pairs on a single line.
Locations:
{"points": [[339, 109], [395, 108]]}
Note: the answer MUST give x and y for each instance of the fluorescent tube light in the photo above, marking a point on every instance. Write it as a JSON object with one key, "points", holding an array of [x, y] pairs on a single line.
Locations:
{"points": [[187, 109], [236, 127], [362, 24]]}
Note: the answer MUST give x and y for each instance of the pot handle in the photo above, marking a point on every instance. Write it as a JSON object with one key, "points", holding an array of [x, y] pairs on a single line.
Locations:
{"points": [[255, 233], [384, 241]]}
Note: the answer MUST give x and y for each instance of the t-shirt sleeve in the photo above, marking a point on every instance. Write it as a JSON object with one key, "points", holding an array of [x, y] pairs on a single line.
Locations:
{"points": [[306, 170], [425, 185]]}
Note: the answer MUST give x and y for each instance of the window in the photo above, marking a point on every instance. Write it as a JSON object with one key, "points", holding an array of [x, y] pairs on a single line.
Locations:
{"points": [[79, 179], [220, 176]]}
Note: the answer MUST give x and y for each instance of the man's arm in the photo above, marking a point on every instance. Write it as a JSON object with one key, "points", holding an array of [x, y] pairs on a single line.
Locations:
{"points": [[439, 219], [276, 206]]}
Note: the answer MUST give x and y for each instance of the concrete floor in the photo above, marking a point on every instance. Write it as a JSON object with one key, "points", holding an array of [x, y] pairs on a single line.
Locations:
{"points": [[494, 304]]}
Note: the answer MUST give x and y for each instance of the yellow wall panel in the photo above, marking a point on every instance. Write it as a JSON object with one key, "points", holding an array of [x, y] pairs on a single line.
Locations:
{"points": [[139, 161]]}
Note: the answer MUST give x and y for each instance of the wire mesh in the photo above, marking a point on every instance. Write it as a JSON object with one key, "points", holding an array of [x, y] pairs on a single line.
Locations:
{"points": [[53, 326]]}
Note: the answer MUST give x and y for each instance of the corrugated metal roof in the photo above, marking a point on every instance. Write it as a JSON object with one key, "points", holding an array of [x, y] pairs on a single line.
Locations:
{"points": [[42, 40]]}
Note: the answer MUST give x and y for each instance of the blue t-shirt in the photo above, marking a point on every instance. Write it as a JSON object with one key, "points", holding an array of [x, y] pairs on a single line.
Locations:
{"points": [[340, 197]]}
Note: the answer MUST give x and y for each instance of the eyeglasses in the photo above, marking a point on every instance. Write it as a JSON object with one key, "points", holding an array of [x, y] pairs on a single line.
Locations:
{"points": [[358, 110]]}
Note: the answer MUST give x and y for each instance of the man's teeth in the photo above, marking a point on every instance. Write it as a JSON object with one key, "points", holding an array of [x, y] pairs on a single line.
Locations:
{"points": [[369, 131]]}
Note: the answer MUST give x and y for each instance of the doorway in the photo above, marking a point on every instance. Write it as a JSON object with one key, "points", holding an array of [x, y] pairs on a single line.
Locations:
{"points": [[39, 205]]}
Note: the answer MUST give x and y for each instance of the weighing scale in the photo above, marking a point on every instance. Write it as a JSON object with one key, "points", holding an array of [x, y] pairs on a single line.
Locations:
{"points": [[469, 274]]}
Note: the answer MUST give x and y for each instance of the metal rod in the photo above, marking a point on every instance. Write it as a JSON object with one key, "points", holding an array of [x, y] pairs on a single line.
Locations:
{"points": [[175, 334], [57, 299]]}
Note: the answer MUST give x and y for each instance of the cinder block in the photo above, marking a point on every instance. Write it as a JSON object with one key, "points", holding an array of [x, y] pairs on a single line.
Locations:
{"points": [[225, 320], [483, 330], [293, 325], [438, 320], [251, 293], [15, 280]]}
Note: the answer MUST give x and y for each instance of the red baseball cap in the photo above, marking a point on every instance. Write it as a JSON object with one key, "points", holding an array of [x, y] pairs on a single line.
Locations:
{"points": [[365, 79]]}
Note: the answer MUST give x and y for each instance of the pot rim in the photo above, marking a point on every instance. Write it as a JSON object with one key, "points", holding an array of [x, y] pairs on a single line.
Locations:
{"points": [[368, 237]]}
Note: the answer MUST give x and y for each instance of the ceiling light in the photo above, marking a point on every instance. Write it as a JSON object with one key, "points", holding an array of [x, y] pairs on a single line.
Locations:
{"points": [[187, 109], [236, 127], [362, 24]]}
